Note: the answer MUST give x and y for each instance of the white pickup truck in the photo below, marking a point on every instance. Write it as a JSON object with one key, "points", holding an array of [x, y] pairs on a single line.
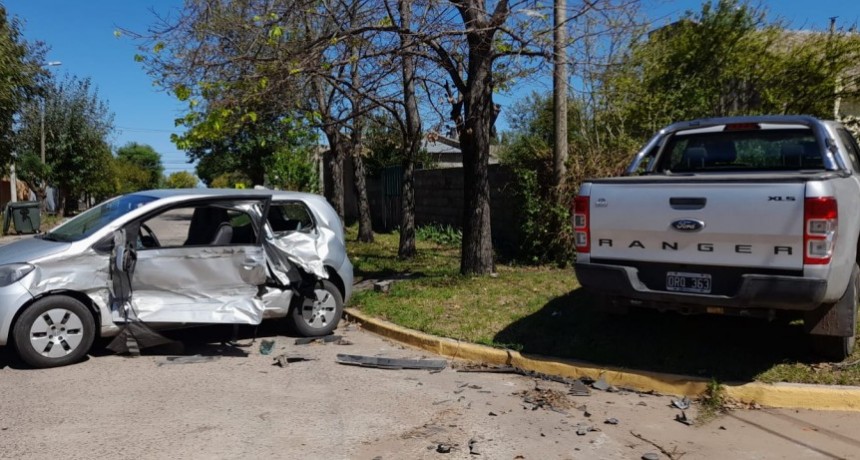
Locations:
{"points": [[754, 216]]}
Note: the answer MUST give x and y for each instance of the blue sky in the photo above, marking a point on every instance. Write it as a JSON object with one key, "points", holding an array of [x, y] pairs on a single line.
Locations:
{"points": [[80, 34]]}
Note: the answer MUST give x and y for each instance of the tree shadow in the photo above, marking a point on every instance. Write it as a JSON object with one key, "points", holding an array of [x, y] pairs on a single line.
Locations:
{"points": [[723, 347]]}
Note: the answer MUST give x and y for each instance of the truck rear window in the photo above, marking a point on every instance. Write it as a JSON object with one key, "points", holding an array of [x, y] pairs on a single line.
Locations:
{"points": [[741, 150]]}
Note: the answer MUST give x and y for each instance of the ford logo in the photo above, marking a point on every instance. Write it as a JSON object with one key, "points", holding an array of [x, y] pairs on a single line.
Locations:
{"points": [[688, 225]]}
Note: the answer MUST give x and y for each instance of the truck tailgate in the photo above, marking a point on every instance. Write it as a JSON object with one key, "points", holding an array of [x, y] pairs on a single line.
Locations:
{"points": [[719, 224]]}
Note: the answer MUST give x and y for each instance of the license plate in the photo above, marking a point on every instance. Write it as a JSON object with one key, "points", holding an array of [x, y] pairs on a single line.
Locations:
{"points": [[699, 283]]}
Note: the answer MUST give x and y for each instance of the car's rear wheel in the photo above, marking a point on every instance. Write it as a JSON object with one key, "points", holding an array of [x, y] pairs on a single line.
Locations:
{"points": [[313, 317], [844, 311], [54, 331]]}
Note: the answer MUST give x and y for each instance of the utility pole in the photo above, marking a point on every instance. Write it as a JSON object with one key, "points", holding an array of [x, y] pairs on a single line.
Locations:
{"points": [[836, 87], [559, 92]]}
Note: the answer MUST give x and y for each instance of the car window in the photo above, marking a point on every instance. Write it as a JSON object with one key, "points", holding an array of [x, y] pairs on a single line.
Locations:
{"points": [[290, 216], [197, 225], [851, 148], [742, 150], [94, 219]]}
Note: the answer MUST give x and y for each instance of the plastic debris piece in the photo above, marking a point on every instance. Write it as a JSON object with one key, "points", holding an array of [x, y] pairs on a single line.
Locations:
{"points": [[581, 431], [611, 421], [188, 359], [682, 417], [600, 384], [443, 448], [577, 388], [682, 404], [391, 363], [266, 346], [651, 456]]}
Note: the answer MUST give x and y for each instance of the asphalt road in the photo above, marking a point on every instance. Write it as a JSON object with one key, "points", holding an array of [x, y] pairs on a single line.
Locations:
{"points": [[238, 404]]}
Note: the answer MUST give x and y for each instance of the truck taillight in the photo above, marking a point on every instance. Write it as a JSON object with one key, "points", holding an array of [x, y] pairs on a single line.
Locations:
{"points": [[819, 229], [581, 218]]}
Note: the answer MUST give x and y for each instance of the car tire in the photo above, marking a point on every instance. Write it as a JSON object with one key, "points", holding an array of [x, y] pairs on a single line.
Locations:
{"points": [[318, 316], [837, 348], [54, 331]]}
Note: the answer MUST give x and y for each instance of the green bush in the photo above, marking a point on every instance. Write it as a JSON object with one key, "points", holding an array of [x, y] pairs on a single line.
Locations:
{"points": [[440, 234]]}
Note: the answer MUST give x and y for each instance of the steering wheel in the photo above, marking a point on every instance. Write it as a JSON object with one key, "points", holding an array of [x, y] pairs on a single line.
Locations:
{"points": [[151, 236]]}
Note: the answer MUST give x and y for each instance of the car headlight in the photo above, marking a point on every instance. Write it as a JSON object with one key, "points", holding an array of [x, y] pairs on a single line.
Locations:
{"points": [[13, 272]]}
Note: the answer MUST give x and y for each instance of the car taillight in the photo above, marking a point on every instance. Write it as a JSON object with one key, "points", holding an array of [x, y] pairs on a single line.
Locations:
{"points": [[819, 229], [582, 239]]}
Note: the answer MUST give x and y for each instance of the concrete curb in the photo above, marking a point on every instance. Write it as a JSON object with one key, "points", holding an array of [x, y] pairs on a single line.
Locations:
{"points": [[783, 395]]}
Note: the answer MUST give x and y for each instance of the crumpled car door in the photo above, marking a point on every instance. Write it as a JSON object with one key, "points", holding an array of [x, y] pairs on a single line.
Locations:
{"points": [[296, 246], [199, 284]]}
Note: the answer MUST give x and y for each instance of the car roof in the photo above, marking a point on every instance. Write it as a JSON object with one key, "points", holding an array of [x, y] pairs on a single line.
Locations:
{"points": [[216, 192]]}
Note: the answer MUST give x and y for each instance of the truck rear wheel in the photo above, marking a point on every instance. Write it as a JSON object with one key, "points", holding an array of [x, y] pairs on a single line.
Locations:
{"points": [[840, 319]]}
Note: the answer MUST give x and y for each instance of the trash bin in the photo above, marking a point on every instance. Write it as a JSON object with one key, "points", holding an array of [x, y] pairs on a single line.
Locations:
{"points": [[25, 215]]}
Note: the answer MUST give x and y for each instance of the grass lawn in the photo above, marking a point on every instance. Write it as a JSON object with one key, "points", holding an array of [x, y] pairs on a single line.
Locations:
{"points": [[542, 310]]}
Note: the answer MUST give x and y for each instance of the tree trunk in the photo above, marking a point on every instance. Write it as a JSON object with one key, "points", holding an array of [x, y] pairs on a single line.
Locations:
{"points": [[365, 226], [477, 248], [411, 137], [334, 163]]}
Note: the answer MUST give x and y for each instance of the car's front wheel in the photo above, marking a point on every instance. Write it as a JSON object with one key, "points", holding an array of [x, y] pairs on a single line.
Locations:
{"points": [[54, 331], [313, 317]]}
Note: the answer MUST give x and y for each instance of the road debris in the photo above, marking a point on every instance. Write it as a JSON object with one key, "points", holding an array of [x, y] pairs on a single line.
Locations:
{"points": [[673, 455], [443, 448], [391, 363], [266, 346], [682, 417], [602, 385], [188, 359], [324, 339], [650, 456], [577, 388], [611, 421], [283, 360], [682, 404], [473, 447], [545, 398]]}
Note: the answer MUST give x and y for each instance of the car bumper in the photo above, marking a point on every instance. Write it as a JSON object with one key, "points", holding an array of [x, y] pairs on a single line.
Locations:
{"points": [[755, 291], [12, 298]]}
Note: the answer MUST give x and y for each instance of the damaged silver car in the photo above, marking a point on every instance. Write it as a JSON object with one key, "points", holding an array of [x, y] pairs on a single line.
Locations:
{"points": [[170, 258]]}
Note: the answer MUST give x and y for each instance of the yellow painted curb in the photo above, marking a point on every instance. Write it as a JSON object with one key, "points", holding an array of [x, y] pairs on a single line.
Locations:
{"points": [[784, 395]]}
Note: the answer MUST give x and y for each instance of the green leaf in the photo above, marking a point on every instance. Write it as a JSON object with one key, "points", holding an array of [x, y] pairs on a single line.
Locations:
{"points": [[117, 33], [182, 92], [138, 58], [276, 32], [158, 47], [252, 116]]}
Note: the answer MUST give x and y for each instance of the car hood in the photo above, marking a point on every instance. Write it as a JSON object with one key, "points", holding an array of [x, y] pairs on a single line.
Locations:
{"points": [[29, 249]]}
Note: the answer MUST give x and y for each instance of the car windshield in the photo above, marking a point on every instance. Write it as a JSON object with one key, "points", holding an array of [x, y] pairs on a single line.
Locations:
{"points": [[742, 150], [96, 218]]}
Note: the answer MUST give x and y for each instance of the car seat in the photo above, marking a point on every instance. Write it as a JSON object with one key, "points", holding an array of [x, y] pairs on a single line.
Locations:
{"points": [[209, 226]]}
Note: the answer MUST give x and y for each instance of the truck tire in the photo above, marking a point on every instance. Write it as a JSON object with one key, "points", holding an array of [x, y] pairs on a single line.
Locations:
{"points": [[841, 317]]}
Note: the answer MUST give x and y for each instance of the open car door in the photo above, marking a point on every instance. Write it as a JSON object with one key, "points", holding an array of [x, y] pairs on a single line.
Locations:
{"points": [[197, 262]]}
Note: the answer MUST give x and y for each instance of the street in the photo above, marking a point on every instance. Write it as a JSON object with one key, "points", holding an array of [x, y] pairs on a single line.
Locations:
{"points": [[237, 403]]}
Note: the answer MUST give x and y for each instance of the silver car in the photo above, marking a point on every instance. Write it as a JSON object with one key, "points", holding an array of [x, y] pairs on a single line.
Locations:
{"points": [[168, 258]]}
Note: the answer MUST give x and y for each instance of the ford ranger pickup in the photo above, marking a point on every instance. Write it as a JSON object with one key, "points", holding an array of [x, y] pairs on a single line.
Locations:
{"points": [[753, 216]]}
